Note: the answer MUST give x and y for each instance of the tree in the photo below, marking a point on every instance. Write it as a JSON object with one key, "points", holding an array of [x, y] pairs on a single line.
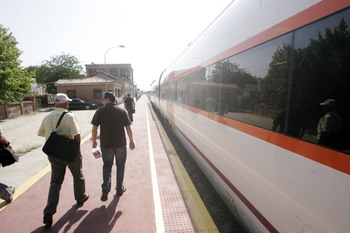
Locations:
{"points": [[14, 80], [231, 73], [64, 66], [274, 86]]}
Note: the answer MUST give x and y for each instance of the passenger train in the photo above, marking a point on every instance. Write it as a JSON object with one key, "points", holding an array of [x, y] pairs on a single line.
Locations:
{"points": [[249, 99]]}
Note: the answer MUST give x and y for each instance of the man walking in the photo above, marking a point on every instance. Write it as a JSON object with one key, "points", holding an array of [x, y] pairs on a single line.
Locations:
{"points": [[112, 121], [6, 192], [129, 105], [69, 128]]}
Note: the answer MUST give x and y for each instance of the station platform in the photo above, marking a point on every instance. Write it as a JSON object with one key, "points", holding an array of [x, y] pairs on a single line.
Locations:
{"points": [[160, 196]]}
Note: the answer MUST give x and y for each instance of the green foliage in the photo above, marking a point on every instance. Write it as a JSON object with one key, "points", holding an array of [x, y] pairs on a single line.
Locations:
{"points": [[59, 67], [274, 86], [14, 80], [232, 74], [320, 71]]}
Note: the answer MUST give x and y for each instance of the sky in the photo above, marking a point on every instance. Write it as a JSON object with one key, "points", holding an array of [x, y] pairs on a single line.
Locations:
{"points": [[154, 32]]}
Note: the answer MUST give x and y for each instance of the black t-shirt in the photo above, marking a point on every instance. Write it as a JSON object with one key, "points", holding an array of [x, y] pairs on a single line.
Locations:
{"points": [[112, 121], [129, 103]]}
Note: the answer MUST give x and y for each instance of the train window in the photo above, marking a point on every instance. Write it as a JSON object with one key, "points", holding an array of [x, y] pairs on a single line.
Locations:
{"points": [[254, 83], [212, 88], [182, 90], [322, 72], [282, 84], [197, 89]]}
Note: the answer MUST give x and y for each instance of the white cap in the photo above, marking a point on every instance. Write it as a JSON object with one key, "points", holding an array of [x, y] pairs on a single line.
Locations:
{"points": [[60, 97]]}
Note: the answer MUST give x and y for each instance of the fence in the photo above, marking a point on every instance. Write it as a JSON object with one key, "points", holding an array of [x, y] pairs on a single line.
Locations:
{"points": [[15, 109]]}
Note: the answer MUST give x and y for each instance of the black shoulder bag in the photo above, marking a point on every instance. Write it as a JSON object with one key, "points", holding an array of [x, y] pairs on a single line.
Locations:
{"points": [[61, 147], [7, 155]]}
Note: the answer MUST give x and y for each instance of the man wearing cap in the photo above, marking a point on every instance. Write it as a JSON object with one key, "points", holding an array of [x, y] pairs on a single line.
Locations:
{"points": [[112, 121], [6, 191], [329, 125], [69, 128]]}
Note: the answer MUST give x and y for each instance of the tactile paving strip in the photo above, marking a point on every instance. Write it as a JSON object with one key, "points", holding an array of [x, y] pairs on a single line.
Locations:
{"points": [[175, 213]]}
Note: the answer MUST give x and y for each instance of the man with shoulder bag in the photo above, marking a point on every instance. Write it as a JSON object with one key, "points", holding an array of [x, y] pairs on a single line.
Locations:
{"points": [[6, 191], [68, 127]]}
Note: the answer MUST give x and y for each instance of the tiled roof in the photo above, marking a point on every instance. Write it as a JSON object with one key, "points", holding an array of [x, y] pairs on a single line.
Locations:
{"points": [[97, 78]]}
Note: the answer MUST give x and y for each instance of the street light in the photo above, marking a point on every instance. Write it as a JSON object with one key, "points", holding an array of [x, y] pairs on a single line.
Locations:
{"points": [[119, 46]]}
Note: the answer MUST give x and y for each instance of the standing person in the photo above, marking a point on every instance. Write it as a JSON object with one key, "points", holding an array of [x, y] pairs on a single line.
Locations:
{"points": [[69, 128], [330, 126], [112, 121], [129, 105], [6, 192], [296, 125]]}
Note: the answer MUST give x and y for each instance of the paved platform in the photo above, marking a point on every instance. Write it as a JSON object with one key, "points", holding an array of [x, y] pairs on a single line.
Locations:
{"points": [[159, 198]]}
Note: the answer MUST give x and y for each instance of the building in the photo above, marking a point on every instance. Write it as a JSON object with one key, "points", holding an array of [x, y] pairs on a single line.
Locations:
{"points": [[123, 71], [119, 79], [117, 70]]}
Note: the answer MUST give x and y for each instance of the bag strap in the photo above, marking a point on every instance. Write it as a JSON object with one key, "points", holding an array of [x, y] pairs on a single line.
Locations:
{"points": [[59, 120]]}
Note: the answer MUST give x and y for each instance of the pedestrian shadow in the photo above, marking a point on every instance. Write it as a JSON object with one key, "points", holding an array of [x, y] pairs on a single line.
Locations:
{"points": [[72, 216], [101, 219], [3, 204]]}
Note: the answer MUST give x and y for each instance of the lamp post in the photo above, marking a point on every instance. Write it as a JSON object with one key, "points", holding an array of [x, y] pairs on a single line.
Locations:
{"points": [[119, 46]]}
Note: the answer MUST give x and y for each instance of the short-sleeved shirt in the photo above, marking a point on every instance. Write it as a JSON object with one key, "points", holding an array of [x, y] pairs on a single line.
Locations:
{"points": [[112, 121], [68, 127], [331, 122]]}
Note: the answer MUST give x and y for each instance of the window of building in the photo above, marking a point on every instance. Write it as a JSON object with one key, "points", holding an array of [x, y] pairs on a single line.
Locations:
{"points": [[91, 71], [97, 94], [71, 94]]}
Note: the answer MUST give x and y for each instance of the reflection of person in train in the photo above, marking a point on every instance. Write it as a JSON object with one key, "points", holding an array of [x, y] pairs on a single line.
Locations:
{"points": [[196, 102], [211, 104], [330, 125], [223, 105], [296, 122]]}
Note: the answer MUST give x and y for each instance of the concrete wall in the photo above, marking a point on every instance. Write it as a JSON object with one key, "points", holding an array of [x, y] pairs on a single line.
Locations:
{"points": [[15, 109]]}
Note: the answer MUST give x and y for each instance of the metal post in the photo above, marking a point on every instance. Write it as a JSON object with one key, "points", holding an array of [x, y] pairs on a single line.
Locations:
{"points": [[119, 46]]}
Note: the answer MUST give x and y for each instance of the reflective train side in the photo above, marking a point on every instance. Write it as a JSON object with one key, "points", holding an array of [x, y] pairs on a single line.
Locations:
{"points": [[245, 99]]}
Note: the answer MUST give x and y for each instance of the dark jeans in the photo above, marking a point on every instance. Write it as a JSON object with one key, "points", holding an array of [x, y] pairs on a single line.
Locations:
{"points": [[108, 157], [130, 115], [58, 171]]}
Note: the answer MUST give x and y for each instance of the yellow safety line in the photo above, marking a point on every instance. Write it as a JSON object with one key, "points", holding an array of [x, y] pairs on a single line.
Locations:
{"points": [[31, 181], [199, 212]]}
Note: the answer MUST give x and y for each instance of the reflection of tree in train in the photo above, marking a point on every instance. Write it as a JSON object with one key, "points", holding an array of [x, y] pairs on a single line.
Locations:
{"points": [[234, 82], [320, 71], [232, 74], [273, 88]]}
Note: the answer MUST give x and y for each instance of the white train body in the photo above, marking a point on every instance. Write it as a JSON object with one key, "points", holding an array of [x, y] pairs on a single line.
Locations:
{"points": [[273, 182]]}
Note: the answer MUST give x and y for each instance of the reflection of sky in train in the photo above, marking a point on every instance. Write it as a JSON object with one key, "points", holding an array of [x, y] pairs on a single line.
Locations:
{"points": [[313, 30], [258, 67], [228, 36]]}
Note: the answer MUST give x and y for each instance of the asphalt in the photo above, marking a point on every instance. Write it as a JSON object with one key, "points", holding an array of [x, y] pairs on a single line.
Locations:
{"points": [[22, 133]]}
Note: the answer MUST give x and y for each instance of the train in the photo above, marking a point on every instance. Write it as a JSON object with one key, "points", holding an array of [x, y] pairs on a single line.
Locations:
{"points": [[256, 99]]}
